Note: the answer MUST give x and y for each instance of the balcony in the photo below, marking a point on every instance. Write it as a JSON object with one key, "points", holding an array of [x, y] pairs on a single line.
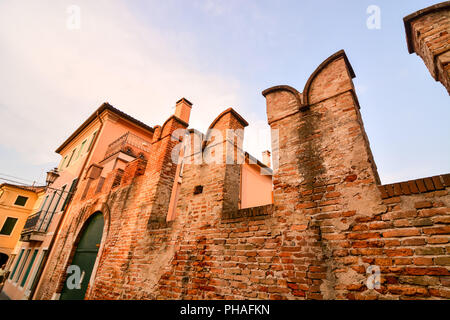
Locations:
{"points": [[129, 144], [35, 227]]}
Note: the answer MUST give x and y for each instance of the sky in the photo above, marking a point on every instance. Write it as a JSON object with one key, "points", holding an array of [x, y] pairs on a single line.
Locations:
{"points": [[141, 56]]}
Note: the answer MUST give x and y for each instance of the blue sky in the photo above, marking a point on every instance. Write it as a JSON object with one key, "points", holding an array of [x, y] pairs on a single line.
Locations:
{"points": [[142, 56]]}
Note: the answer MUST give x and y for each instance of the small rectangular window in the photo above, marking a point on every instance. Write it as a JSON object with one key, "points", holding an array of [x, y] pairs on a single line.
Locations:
{"points": [[70, 194], [62, 163], [71, 156], [198, 189], [20, 201], [92, 141], [8, 226], [81, 148]]}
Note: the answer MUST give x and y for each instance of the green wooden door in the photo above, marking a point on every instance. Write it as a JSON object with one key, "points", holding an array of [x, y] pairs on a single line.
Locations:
{"points": [[84, 257]]}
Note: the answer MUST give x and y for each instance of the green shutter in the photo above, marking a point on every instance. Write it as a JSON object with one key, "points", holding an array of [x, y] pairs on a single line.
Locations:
{"points": [[71, 156], [17, 264], [40, 266], [92, 141], [54, 209], [22, 265], [62, 163], [43, 204], [81, 148], [70, 194], [46, 211], [30, 265]]}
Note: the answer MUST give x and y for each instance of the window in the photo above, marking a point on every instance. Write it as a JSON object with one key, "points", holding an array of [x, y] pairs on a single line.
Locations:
{"points": [[37, 270], [70, 194], [62, 163], [43, 203], [81, 148], [198, 189], [23, 264], [30, 265], [17, 264], [20, 201], [55, 207], [8, 226], [63, 194], [71, 156], [92, 141], [46, 211]]}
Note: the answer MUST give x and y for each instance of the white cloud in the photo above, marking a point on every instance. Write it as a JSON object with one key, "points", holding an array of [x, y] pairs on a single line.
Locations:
{"points": [[53, 78], [215, 7]]}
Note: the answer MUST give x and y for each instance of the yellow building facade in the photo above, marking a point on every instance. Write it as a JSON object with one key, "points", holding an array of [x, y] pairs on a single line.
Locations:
{"points": [[16, 204]]}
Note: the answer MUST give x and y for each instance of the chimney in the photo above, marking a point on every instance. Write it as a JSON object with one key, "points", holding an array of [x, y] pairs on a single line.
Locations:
{"points": [[266, 158], [183, 109]]}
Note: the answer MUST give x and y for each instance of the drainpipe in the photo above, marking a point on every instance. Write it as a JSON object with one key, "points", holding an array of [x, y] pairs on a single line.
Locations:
{"points": [[52, 241]]}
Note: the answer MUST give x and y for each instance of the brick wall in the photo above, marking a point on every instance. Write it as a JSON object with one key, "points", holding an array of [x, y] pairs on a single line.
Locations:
{"points": [[428, 35], [330, 222]]}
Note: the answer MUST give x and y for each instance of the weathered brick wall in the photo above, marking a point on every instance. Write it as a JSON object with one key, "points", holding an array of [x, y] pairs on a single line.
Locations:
{"points": [[428, 35], [126, 207], [330, 219], [328, 181]]}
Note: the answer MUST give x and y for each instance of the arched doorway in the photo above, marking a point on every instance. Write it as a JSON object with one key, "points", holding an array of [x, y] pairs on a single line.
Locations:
{"points": [[84, 259]]}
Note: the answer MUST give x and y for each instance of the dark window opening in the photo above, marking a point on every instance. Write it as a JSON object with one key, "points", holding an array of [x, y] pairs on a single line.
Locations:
{"points": [[20, 201], [198, 189], [8, 226]]}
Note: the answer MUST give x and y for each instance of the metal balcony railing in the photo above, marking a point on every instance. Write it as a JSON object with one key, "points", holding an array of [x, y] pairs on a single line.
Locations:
{"points": [[127, 143], [37, 223], [31, 222]]}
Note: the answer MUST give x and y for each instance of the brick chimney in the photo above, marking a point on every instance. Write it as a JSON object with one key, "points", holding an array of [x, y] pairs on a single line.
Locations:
{"points": [[266, 158], [183, 109]]}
